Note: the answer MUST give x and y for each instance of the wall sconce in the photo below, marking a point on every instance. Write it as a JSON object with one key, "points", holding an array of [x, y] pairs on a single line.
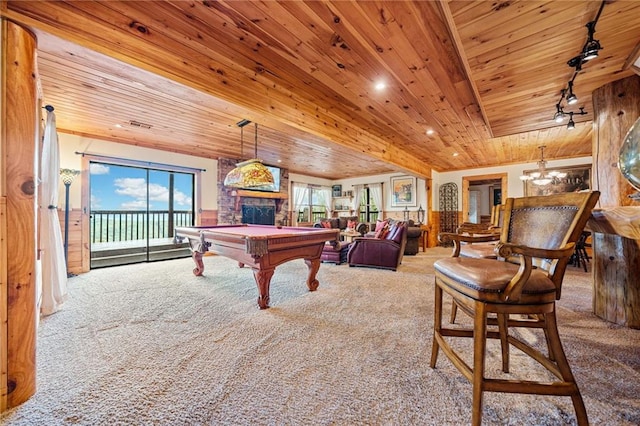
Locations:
{"points": [[420, 215]]}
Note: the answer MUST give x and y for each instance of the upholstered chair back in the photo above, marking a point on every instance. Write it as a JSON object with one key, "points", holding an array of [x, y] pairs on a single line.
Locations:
{"points": [[547, 222]]}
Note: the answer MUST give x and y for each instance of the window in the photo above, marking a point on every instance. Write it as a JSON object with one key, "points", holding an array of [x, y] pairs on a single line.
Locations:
{"points": [[312, 204], [368, 208]]}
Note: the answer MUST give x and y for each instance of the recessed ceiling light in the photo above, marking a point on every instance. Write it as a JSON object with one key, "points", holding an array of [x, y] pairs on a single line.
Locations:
{"points": [[430, 132], [380, 85], [279, 161], [455, 154], [118, 125]]}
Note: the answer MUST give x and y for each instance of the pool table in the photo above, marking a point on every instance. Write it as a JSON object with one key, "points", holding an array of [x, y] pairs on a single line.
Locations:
{"points": [[262, 247]]}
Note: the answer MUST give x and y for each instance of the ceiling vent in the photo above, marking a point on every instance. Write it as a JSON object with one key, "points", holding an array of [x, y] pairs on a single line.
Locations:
{"points": [[135, 123]]}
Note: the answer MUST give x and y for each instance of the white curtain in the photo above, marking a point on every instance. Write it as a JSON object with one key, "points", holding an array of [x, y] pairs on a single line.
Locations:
{"points": [[54, 267], [375, 189], [300, 198], [324, 197], [357, 199]]}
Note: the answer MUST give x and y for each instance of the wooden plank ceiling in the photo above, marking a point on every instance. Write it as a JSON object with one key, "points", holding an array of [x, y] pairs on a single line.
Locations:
{"points": [[177, 75]]}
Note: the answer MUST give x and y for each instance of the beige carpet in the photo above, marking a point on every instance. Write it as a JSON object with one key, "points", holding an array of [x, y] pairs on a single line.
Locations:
{"points": [[152, 344]]}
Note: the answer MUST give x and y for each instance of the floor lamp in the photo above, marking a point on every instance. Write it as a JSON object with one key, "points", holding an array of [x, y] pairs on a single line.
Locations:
{"points": [[67, 176]]}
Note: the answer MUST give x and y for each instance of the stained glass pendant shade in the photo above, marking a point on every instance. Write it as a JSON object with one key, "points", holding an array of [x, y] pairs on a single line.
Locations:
{"points": [[250, 174]]}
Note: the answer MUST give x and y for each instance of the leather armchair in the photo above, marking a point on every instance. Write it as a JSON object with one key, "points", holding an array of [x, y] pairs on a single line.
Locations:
{"points": [[384, 253]]}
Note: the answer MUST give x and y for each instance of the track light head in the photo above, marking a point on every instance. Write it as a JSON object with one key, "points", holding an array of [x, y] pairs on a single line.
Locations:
{"points": [[575, 62], [590, 50], [571, 124], [571, 97], [591, 47], [558, 117]]}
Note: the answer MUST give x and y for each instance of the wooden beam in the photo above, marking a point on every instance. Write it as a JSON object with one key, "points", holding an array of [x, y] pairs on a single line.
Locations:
{"points": [[18, 146]]}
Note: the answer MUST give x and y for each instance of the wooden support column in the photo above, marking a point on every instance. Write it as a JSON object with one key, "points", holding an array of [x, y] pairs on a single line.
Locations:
{"points": [[616, 227], [18, 133]]}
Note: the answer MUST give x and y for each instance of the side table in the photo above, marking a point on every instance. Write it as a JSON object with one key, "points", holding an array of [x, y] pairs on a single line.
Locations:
{"points": [[424, 238], [348, 236]]}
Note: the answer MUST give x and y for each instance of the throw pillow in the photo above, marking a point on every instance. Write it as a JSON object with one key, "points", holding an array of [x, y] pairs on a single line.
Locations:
{"points": [[326, 224], [351, 224], [382, 233], [381, 224]]}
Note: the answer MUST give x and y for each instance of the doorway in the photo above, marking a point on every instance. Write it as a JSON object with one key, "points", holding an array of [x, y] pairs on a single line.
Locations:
{"points": [[134, 211], [493, 190]]}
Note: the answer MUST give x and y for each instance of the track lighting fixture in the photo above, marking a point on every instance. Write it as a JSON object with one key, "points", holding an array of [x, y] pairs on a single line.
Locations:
{"points": [[589, 51]]}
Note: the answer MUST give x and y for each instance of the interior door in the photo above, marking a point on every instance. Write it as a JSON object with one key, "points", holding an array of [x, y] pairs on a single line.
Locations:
{"points": [[474, 200]]}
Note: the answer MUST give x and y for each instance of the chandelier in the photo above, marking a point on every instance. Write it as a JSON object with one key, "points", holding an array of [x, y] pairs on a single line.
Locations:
{"points": [[542, 176], [250, 174]]}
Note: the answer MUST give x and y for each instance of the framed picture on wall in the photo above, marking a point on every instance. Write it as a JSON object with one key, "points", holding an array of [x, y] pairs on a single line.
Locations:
{"points": [[578, 178], [495, 196], [403, 191], [336, 190]]}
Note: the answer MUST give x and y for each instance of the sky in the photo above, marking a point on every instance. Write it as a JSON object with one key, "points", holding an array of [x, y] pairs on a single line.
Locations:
{"points": [[125, 188]]}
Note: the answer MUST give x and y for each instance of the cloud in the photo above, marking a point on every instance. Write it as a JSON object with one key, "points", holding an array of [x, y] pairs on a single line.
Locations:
{"points": [[137, 188], [98, 169], [135, 205], [95, 202]]}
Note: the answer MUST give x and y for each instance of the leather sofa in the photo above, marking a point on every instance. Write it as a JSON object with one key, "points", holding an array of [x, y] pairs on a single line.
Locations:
{"points": [[342, 222], [385, 253]]}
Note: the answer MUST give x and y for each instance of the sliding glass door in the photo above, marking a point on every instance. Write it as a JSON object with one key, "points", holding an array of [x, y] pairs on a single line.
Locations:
{"points": [[134, 211]]}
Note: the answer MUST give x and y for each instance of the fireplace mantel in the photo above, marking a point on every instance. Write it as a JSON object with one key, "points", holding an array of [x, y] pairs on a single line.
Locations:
{"points": [[261, 194]]}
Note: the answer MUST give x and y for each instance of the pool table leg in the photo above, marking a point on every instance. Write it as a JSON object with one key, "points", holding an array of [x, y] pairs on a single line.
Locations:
{"points": [[263, 280], [197, 258], [314, 266]]}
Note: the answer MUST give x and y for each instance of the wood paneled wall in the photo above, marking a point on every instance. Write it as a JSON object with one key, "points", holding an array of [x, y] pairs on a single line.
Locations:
{"points": [[74, 252], [208, 218]]}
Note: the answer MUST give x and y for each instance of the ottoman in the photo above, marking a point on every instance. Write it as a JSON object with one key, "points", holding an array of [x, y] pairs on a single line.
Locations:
{"points": [[335, 253]]}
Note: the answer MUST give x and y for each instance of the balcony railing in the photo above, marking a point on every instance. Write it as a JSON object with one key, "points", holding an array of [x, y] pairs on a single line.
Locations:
{"points": [[318, 215], [120, 225]]}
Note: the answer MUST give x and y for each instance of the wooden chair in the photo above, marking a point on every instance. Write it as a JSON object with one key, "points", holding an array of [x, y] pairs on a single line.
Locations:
{"points": [[518, 289]]}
